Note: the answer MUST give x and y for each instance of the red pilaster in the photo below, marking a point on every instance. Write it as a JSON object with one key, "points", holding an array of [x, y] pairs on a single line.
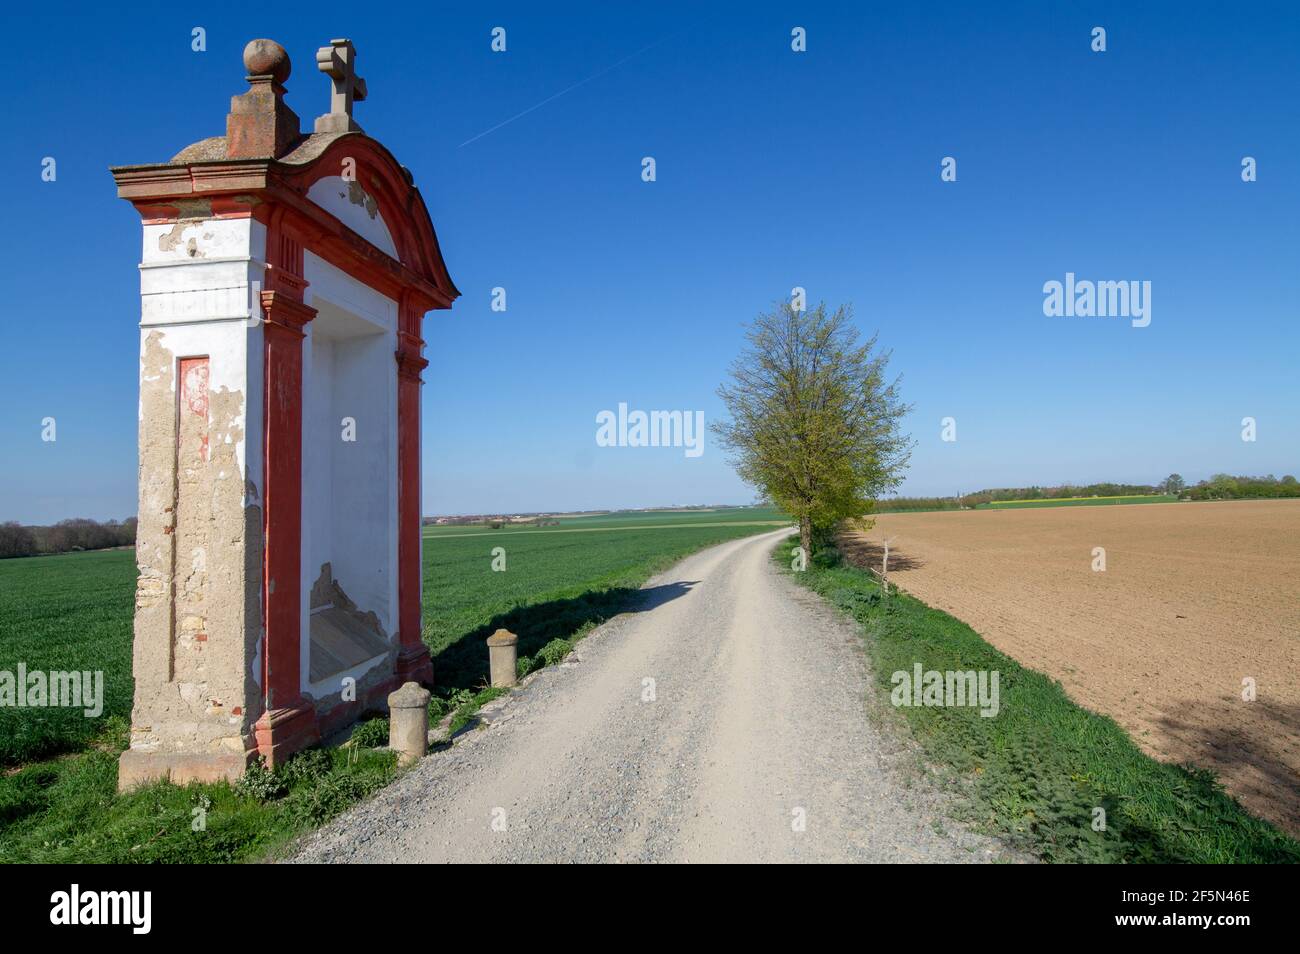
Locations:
{"points": [[413, 661], [289, 722]]}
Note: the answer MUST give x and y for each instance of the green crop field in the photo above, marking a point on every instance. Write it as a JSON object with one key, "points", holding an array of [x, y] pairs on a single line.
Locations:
{"points": [[58, 769], [641, 520], [63, 613], [1079, 502], [74, 611]]}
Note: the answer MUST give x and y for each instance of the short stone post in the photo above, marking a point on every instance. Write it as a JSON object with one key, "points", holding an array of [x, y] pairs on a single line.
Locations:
{"points": [[408, 722], [503, 650]]}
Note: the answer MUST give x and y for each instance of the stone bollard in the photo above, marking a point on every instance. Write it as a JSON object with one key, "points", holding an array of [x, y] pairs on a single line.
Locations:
{"points": [[408, 722], [503, 648]]}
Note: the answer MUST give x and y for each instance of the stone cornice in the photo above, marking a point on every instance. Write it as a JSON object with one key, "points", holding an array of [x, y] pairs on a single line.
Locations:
{"points": [[268, 188]]}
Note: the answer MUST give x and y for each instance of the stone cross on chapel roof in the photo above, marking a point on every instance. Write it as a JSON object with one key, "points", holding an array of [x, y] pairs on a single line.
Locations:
{"points": [[339, 62]]}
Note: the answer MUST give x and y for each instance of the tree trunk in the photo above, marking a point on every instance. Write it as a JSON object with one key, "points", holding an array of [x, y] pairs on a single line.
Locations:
{"points": [[805, 536]]}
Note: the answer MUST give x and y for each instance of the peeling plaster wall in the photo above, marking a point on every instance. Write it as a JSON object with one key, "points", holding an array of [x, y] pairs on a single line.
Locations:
{"points": [[350, 204], [198, 607]]}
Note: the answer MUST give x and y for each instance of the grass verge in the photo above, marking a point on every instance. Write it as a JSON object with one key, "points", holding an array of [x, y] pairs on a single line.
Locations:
{"points": [[1037, 772], [68, 810]]}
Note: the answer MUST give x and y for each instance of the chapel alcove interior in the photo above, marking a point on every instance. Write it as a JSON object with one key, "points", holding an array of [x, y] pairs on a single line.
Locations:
{"points": [[349, 451]]}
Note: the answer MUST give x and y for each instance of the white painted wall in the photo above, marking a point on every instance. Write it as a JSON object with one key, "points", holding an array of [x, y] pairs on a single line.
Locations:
{"points": [[203, 299], [349, 488], [365, 498]]}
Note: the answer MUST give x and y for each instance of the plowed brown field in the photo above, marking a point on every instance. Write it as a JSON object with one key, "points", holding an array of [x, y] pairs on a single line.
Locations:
{"points": [[1195, 598]]}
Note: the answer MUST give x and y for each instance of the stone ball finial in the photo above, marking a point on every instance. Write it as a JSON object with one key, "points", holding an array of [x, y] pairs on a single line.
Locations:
{"points": [[267, 58]]}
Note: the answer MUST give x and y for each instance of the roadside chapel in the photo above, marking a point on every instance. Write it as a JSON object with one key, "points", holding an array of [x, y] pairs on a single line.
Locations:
{"points": [[284, 281]]}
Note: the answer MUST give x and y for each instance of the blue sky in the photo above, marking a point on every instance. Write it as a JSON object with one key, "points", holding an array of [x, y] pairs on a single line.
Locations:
{"points": [[774, 169]]}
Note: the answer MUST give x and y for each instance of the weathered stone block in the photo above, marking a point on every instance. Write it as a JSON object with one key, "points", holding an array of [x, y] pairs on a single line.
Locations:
{"points": [[503, 649], [408, 722]]}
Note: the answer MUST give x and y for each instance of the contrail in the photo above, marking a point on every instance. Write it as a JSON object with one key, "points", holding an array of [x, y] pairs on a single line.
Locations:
{"points": [[562, 92]]}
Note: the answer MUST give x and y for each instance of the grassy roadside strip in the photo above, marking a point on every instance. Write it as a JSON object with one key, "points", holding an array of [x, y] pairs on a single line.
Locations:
{"points": [[66, 809], [1035, 773]]}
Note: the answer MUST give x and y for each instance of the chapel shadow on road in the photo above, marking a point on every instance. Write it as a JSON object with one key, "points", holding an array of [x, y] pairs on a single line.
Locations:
{"points": [[463, 663]]}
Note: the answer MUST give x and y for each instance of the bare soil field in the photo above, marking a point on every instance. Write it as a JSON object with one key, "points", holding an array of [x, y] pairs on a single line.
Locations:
{"points": [[1195, 598]]}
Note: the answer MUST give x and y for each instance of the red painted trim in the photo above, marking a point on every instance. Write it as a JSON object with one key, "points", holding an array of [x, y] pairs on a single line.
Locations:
{"points": [[399, 201], [282, 496], [168, 216], [193, 375], [413, 662], [289, 721]]}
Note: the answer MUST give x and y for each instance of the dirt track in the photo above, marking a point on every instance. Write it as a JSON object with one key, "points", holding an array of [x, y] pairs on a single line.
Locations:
{"points": [[1194, 598], [757, 746]]}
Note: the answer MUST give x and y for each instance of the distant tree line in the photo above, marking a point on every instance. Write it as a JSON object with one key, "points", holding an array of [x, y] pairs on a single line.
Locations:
{"points": [[982, 497], [1218, 487], [1227, 487], [66, 536], [900, 504]]}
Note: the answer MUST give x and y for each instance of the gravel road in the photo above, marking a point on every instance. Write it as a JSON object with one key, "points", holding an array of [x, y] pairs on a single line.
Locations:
{"points": [[724, 720]]}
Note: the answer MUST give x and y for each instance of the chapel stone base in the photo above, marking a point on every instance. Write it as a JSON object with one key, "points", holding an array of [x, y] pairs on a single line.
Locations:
{"points": [[282, 732], [135, 768]]}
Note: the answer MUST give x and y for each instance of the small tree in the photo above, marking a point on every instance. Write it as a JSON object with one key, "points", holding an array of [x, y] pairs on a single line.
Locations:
{"points": [[1174, 484], [814, 424], [1222, 487]]}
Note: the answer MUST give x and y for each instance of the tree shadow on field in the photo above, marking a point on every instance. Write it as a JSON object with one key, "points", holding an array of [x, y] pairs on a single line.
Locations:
{"points": [[869, 555], [463, 663], [1251, 753]]}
